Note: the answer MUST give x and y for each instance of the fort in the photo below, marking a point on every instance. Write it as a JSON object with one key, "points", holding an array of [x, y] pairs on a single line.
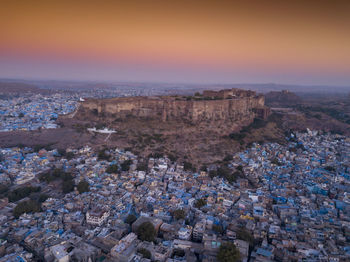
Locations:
{"points": [[229, 105]]}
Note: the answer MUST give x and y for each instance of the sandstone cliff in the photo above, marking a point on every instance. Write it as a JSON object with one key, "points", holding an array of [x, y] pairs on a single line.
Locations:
{"points": [[244, 107]]}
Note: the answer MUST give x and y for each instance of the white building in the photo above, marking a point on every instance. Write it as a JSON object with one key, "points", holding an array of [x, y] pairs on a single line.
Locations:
{"points": [[97, 216]]}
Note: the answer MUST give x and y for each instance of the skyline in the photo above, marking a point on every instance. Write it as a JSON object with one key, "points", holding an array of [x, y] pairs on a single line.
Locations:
{"points": [[182, 42]]}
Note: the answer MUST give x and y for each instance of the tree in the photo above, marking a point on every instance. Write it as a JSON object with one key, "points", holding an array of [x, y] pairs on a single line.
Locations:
{"points": [[83, 186], [69, 155], [102, 155], [131, 218], [26, 207], [146, 232], [67, 186], [218, 229], [189, 167], [145, 253], [126, 165], [112, 169], [245, 235], [200, 203], [228, 252], [22, 192], [142, 166], [179, 214]]}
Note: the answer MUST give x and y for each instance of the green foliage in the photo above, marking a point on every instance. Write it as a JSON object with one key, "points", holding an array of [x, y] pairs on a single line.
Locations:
{"points": [[142, 166], [146, 232], [69, 155], [239, 168], [189, 167], [275, 161], [22, 192], [179, 214], [112, 169], [67, 186], [61, 151], [130, 219], [330, 168], [38, 147], [243, 234], [237, 136], [204, 168], [83, 186], [200, 203], [227, 158], [218, 229], [55, 174], [228, 252], [3, 190], [172, 157], [179, 253], [42, 198], [101, 155], [26, 207], [125, 166], [145, 253]]}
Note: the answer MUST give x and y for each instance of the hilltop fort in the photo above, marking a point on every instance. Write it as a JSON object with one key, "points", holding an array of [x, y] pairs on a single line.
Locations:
{"points": [[194, 127], [232, 104]]}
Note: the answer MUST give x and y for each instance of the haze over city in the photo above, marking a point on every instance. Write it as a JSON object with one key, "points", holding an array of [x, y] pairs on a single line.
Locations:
{"points": [[295, 42]]}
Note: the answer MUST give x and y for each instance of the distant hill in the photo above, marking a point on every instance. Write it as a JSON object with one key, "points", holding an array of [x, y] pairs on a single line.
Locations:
{"points": [[282, 99], [16, 87]]}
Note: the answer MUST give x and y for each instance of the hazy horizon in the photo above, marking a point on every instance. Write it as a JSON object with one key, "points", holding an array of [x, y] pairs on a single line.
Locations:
{"points": [[304, 43]]}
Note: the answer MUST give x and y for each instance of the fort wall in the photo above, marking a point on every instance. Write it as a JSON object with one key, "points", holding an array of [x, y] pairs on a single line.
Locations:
{"points": [[172, 108]]}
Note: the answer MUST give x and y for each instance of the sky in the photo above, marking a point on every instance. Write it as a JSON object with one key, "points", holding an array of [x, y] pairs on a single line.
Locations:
{"points": [[255, 41]]}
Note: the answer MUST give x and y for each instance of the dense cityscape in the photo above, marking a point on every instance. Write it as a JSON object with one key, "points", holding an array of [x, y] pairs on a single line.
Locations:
{"points": [[273, 202]]}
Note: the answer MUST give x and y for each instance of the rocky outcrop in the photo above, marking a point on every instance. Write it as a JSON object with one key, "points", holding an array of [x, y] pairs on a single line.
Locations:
{"points": [[220, 105]]}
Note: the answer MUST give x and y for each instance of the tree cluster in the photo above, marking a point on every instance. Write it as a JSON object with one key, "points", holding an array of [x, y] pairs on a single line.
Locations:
{"points": [[145, 253], [226, 173], [179, 214], [26, 207], [125, 166], [112, 169], [228, 252], [200, 203], [22, 192], [189, 167], [146, 232], [83, 186], [130, 219], [101, 155]]}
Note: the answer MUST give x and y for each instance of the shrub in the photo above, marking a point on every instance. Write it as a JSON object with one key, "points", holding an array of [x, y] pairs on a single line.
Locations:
{"points": [[200, 203], [189, 167], [145, 253], [243, 234], [126, 165], [102, 155], [179, 214], [112, 169], [83, 186], [228, 252], [22, 192], [146, 232], [142, 166], [130, 219], [218, 229], [67, 186], [26, 207]]}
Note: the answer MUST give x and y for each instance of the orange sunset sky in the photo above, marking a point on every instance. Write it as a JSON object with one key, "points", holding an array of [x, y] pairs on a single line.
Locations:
{"points": [[305, 42]]}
